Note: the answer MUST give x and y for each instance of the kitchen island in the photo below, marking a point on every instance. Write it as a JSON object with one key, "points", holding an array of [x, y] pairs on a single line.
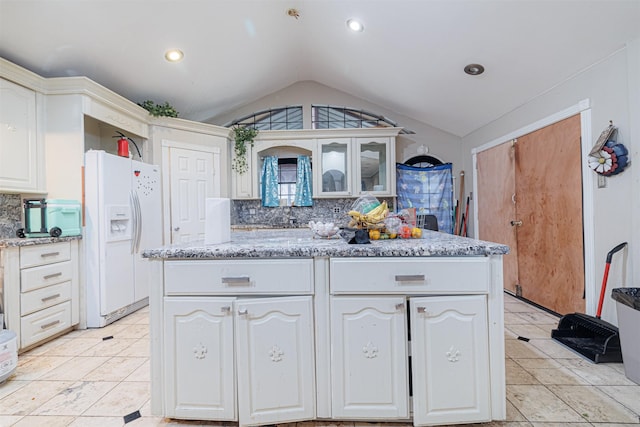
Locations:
{"points": [[277, 326]]}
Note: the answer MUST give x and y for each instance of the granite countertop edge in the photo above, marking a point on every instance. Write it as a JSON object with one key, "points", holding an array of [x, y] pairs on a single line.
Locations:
{"points": [[289, 243], [32, 241]]}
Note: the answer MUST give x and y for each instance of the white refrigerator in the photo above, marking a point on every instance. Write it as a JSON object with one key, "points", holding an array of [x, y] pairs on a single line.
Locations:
{"points": [[123, 216]]}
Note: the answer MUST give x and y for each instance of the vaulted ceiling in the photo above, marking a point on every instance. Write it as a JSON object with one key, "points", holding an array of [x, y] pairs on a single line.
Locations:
{"points": [[409, 58]]}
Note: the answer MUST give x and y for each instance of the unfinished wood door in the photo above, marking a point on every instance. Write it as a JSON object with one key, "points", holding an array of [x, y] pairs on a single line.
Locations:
{"points": [[536, 182], [549, 204], [496, 204]]}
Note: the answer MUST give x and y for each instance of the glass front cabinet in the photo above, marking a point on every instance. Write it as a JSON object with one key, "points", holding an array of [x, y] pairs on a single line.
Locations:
{"points": [[351, 167]]}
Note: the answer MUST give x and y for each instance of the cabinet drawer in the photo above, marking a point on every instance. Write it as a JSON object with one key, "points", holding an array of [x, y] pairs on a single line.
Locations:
{"points": [[46, 275], [32, 256], [44, 297], [44, 323], [409, 275], [279, 276]]}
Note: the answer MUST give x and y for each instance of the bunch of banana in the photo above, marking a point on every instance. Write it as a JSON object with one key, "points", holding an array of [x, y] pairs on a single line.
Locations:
{"points": [[372, 219]]}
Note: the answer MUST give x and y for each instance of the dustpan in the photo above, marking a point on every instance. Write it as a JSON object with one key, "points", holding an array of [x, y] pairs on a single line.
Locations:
{"points": [[592, 337]]}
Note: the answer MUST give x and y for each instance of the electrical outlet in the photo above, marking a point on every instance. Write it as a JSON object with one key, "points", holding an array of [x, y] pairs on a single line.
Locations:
{"points": [[602, 181], [336, 210], [252, 211]]}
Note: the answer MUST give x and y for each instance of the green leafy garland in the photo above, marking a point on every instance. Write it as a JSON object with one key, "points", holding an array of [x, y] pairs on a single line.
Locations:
{"points": [[242, 136], [159, 110]]}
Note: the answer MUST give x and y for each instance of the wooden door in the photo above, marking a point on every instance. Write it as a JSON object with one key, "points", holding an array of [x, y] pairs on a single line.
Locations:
{"points": [[275, 357], [369, 373], [450, 353], [497, 204], [549, 204], [194, 177]]}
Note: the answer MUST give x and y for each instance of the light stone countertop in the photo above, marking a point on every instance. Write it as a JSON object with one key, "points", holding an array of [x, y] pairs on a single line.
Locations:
{"points": [[32, 241], [300, 243]]}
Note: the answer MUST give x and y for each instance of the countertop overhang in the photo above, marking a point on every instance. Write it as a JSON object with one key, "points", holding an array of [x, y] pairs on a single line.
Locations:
{"points": [[32, 241], [300, 243]]}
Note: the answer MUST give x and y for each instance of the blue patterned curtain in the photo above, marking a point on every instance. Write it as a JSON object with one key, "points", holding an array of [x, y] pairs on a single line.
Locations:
{"points": [[270, 193], [429, 190], [303, 183]]}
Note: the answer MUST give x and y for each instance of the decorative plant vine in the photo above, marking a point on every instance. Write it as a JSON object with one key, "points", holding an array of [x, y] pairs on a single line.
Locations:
{"points": [[242, 137], [159, 110]]}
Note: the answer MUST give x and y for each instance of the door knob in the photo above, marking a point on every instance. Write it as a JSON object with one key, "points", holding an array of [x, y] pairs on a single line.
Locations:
{"points": [[516, 223], [176, 229]]}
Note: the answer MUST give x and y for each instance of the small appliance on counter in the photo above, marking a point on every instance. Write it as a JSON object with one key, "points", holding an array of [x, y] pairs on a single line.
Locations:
{"points": [[54, 217]]}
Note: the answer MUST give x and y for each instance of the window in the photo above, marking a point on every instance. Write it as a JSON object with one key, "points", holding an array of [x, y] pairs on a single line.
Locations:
{"points": [[287, 176], [333, 117], [281, 118], [423, 161]]}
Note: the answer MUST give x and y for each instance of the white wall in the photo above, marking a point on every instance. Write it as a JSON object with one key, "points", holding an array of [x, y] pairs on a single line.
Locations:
{"points": [[611, 87]]}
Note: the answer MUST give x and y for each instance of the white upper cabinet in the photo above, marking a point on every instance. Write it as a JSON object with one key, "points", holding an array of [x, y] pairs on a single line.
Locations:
{"points": [[20, 142]]}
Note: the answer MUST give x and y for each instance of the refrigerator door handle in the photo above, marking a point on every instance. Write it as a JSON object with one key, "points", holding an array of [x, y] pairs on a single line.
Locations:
{"points": [[138, 221], [134, 222]]}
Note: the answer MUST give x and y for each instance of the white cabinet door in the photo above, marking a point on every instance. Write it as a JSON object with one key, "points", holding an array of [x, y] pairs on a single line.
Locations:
{"points": [[275, 356], [450, 360], [242, 184], [18, 138], [374, 166], [198, 358], [333, 168], [369, 348]]}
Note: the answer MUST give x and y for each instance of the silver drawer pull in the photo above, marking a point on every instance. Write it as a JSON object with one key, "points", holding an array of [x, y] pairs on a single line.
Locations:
{"points": [[422, 309], [225, 309], [409, 277], [51, 276], [236, 281], [49, 298], [50, 324], [49, 254], [242, 311], [400, 306]]}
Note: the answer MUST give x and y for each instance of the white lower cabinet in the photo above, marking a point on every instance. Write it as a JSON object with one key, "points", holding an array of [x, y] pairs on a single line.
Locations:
{"points": [[239, 359], [369, 344], [450, 359]]}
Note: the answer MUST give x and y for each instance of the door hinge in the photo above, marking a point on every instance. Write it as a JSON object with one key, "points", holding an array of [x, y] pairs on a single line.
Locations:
{"points": [[518, 290]]}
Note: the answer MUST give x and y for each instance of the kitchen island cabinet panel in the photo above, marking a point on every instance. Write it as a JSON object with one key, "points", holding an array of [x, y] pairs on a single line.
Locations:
{"points": [[199, 358], [449, 342], [369, 373]]}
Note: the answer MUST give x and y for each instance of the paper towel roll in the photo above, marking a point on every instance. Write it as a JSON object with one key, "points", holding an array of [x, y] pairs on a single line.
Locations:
{"points": [[217, 227]]}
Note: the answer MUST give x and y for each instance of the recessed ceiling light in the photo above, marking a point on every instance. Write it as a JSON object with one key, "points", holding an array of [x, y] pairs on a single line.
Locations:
{"points": [[474, 69], [174, 55], [355, 25]]}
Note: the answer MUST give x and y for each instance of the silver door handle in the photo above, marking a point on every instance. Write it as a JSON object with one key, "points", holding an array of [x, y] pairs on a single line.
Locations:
{"points": [[50, 254], [49, 298], [51, 276], [225, 309], [422, 309], [409, 277], [400, 306], [236, 281], [242, 311]]}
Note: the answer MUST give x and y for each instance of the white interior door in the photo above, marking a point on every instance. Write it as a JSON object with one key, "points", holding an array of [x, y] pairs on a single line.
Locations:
{"points": [[194, 177]]}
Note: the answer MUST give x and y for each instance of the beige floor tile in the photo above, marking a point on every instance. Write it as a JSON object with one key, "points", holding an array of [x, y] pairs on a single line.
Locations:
{"points": [[9, 386], [35, 367], [75, 369], [528, 331], [109, 347], [517, 349], [561, 424], [559, 376], [596, 374], [513, 414], [9, 420], [76, 398], [538, 363], [593, 405], [42, 421], [43, 348], [33, 395], [516, 374], [143, 373], [539, 318], [98, 422], [514, 319], [123, 399], [115, 369], [537, 403], [133, 331], [553, 349], [629, 396], [515, 306], [139, 348], [73, 347], [106, 331]]}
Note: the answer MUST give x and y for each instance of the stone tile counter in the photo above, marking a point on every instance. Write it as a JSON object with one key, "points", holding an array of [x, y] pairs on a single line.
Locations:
{"points": [[300, 243], [32, 241]]}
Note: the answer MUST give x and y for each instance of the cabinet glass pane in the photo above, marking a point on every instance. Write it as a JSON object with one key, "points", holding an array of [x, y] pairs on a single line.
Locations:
{"points": [[373, 167], [334, 167]]}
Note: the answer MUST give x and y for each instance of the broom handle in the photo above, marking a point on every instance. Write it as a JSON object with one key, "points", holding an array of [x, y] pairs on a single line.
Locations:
{"points": [[606, 276]]}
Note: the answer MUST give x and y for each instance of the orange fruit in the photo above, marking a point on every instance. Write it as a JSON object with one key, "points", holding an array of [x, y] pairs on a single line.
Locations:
{"points": [[374, 234], [416, 232]]}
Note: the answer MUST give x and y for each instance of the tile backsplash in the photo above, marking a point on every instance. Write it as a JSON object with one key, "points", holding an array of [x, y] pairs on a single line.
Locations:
{"points": [[251, 212], [10, 215]]}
